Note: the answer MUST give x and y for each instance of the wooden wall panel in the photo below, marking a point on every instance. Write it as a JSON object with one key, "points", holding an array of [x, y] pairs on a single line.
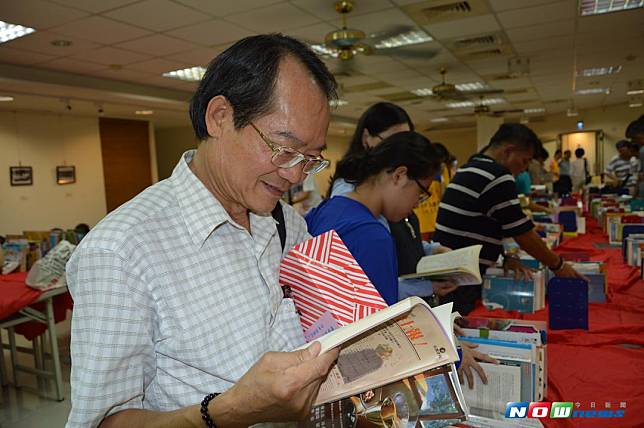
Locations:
{"points": [[126, 159]]}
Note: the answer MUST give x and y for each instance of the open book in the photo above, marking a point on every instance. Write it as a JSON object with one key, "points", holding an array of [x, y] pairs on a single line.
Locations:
{"points": [[461, 267], [395, 369]]}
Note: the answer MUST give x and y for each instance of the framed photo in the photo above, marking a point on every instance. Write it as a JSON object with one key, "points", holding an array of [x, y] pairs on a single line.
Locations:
{"points": [[21, 175], [65, 174]]}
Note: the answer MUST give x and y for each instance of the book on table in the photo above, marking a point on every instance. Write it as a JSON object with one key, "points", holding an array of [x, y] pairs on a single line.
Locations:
{"points": [[460, 267], [396, 363]]}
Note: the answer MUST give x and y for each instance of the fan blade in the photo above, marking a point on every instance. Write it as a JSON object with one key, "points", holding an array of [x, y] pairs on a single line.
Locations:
{"points": [[408, 53], [482, 92], [393, 32]]}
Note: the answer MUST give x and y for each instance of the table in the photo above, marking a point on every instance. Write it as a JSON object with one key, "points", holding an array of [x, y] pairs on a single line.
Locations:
{"points": [[31, 312], [605, 363]]}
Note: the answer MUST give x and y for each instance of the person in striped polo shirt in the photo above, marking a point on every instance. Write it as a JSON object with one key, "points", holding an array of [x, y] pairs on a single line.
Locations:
{"points": [[480, 206]]}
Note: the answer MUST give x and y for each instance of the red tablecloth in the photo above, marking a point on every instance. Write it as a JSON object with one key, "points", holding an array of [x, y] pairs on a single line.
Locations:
{"points": [[15, 295], [605, 363]]}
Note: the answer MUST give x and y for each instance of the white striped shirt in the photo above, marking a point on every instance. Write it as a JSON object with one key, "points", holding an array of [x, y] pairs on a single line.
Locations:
{"points": [[173, 300]]}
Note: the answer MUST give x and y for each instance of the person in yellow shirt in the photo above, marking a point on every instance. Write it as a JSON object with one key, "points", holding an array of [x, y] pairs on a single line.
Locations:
{"points": [[428, 210], [554, 165]]}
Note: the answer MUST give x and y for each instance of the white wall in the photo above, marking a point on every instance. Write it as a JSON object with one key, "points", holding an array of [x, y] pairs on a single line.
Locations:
{"points": [[44, 141]]}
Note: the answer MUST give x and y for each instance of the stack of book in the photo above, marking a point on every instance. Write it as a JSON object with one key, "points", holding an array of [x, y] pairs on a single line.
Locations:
{"points": [[502, 291], [520, 376]]}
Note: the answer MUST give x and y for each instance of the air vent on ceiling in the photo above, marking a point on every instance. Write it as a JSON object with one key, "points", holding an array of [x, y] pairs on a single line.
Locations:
{"points": [[455, 7], [490, 39], [485, 53]]}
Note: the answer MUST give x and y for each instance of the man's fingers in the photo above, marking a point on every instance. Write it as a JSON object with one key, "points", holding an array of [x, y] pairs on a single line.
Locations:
{"points": [[481, 372], [468, 375]]}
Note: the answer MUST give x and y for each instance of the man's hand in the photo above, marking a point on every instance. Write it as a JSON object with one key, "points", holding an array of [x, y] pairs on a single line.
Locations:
{"points": [[521, 271], [443, 288], [568, 271], [441, 249], [470, 360], [280, 387]]}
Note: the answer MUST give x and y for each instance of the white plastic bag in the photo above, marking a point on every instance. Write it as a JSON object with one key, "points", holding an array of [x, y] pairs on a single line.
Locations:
{"points": [[49, 272]]}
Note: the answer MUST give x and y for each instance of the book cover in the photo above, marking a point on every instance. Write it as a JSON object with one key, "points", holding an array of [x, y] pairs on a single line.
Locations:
{"points": [[507, 293]]}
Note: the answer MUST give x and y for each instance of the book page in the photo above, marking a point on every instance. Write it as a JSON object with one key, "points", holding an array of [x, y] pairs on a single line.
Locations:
{"points": [[459, 266], [504, 385], [413, 342]]}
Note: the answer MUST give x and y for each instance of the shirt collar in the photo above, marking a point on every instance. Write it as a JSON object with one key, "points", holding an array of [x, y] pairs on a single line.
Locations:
{"points": [[200, 210]]}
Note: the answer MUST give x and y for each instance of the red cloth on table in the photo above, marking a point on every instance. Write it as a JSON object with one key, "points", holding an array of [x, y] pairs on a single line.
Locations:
{"points": [[15, 295], [594, 365]]}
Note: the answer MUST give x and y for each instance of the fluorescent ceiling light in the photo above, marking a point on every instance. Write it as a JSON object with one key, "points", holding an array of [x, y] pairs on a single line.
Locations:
{"points": [[593, 91], [10, 31], [635, 104], [324, 50], [534, 110], [472, 86], [412, 37], [600, 71], [571, 112], [145, 112], [338, 103], [193, 74], [6, 98], [635, 92], [492, 101], [439, 119], [461, 104], [597, 7], [422, 92]]}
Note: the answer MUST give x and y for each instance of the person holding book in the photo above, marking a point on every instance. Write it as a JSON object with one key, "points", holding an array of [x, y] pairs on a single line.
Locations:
{"points": [[176, 297], [480, 206]]}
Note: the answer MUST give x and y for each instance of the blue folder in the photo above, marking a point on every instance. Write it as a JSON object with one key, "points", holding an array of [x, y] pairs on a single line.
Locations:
{"points": [[567, 303]]}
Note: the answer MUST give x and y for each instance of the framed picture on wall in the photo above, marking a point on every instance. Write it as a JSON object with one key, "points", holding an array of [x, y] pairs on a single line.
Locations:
{"points": [[65, 174], [21, 175]]}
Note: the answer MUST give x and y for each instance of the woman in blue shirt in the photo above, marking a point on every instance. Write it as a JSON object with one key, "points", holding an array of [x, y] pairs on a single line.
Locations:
{"points": [[389, 180]]}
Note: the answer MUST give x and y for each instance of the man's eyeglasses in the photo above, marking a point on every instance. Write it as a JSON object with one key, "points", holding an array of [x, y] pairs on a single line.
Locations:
{"points": [[286, 157], [425, 195]]}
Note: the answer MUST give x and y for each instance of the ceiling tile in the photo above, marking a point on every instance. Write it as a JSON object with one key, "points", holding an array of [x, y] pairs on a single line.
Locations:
{"points": [[157, 66], [38, 14], [313, 33], [278, 17], [123, 75], [209, 33], [463, 27], [95, 6], [18, 56], [559, 43], [108, 55], [499, 5], [196, 57], [73, 65], [537, 15], [157, 15], [325, 9], [40, 41], [224, 8], [157, 45], [101, 30], [379, 22], [542, 31]]}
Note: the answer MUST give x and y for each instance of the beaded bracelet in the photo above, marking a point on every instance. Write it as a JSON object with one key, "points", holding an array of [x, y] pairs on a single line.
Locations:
{"points": [[204, 410]]}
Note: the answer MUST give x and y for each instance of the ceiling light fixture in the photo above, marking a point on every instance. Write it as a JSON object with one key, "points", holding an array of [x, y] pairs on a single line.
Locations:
{"points": [[324, 51], [571, 112], [635, 92], [10, 31], [599, 71], [412, 37], [144, 112], [422, 92], [485, 102], [460, 104], [5, 98], [593, 91], [338, 103], [192, 74], [472, 86], [439, 119], [598, 7], [638, 104], [534, 110]]}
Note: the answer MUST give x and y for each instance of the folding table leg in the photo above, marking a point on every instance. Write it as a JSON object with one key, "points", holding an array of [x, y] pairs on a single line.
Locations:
{"points": [[14, 355], [51, 327], [38, 360], [3, 369]]}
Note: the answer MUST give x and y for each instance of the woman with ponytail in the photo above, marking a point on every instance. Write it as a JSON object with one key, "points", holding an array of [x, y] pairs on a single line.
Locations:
{"points": [[389, 180]]}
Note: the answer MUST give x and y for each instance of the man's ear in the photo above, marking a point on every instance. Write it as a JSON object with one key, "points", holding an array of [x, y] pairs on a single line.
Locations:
{"points": [[365, 135], [399, 175], [218, 112]]}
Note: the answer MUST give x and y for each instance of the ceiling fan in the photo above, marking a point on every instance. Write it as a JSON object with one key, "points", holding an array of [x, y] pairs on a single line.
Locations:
{"points": [[345, 43], [450, 91]]}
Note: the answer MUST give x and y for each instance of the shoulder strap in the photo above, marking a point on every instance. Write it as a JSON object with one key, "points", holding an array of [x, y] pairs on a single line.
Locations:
{"points": [[278, 215]]}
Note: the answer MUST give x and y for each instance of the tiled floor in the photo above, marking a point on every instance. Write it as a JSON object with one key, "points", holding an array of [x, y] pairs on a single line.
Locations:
{"points": [[24, 408]]}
